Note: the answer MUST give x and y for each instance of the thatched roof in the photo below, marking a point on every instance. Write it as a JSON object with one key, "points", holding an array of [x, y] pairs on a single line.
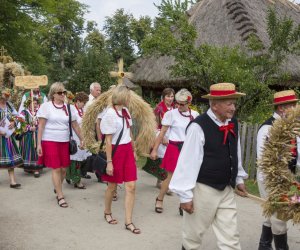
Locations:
{"points": [[221, 23]]}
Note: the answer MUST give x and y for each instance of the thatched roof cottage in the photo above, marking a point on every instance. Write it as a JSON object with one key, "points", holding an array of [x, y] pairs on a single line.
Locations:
{"points": [[220, 23]]}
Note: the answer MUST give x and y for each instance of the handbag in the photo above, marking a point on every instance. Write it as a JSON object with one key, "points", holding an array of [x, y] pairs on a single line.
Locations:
{"points": [[73, 144], [153, 167], [98, 162]]}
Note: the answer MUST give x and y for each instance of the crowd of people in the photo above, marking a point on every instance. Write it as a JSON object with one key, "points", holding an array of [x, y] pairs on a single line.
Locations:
{"points": [[199, 156]]}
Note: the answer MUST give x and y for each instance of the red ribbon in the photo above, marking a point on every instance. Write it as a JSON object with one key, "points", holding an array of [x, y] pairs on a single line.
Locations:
{"points": [[226, 129], [126, 116], [294, 147], [222, 92], [285, 98]]}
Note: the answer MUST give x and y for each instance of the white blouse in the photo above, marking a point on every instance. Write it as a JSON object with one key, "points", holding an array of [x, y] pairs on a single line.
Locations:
{"points": [[111, 124], [177, 123]]}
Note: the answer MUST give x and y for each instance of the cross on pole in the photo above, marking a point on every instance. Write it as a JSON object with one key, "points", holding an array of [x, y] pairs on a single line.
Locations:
{"points": [[120, 74], [2, 51]]}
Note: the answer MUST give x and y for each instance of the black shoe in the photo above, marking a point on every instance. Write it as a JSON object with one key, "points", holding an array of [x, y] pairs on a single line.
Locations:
{"points": [[87, 176], [17, 185], [36, 174], [182, 248], [68, 181], [266, 238], [281, 242]]}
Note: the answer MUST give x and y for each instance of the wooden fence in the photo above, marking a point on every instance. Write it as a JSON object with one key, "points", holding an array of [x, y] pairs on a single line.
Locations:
{"points": [[248, 135]]}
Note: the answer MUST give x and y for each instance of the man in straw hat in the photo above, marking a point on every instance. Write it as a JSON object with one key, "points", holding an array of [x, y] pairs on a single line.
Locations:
{"points": [[283, 102], [205, 179]]}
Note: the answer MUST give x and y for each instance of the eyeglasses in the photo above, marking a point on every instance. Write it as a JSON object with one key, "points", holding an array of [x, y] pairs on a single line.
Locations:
{"points": [[61, 92], [181, 104]]}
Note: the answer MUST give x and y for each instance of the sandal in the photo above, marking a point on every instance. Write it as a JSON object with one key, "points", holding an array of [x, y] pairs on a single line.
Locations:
{"points": [[158, 209], [115, 197], [133, 229], [180, 211], [63, 204], [112, 221]]}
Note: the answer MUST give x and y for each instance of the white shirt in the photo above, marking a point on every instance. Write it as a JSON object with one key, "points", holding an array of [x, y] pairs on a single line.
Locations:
{"points": [[91, 99], [21, 108], [190, 160], [81, 154], [111, 124], [177, 123], [100, 115], [57, 124], [262, 134]]}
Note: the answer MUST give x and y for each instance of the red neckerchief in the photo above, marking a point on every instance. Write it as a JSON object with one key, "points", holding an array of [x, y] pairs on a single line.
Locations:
{"points": [[189, 115], [64, 108], [124, 115], [294, 147], [80, 111], [160, 111], [226, 129]]}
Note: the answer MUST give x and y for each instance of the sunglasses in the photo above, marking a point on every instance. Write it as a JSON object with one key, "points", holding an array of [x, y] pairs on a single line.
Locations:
{"points": [[181, 104], [61, 92]]}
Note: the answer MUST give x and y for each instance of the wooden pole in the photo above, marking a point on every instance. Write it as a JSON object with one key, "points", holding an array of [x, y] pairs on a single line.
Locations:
{"points": [[33, 116]]}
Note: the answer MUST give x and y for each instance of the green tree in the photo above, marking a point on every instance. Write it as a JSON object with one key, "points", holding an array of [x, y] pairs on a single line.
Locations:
{"points": [[119, 36]]}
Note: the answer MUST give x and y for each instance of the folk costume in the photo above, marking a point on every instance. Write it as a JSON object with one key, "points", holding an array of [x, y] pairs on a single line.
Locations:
{"points": [[273, 227], [39, 95], [125, 169], [10, 156], [74, 171], [28, 140], [177, 122], [55, 139], [208, 168], [153, 166]]}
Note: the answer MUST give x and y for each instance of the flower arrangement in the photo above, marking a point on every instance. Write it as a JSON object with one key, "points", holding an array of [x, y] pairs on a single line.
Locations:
{"points": [[21, 125]]}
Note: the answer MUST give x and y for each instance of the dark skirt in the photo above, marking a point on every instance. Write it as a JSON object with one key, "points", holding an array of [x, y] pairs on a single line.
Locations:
{"points": [[28, 152], [10, 156]]}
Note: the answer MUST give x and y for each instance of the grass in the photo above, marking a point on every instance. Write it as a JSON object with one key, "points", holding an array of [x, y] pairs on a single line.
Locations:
{"points": [[251, 186]]}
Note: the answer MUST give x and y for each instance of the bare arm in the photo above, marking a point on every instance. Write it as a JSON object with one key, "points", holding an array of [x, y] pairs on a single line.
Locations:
{"points": [[98, 131], [77, 130], [42, 124], [158, 141], [110, 168]]}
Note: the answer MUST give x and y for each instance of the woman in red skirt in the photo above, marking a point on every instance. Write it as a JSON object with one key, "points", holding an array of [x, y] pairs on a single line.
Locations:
{"points": [[175, 121], [54, 137], [121, 166]]}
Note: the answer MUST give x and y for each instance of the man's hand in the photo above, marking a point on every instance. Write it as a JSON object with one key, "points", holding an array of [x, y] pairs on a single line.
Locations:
{"points": [[188, 207], [241, 190]]}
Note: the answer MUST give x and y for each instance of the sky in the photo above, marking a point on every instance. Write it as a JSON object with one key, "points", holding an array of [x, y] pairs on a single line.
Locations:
{"points": [[99, 9]]}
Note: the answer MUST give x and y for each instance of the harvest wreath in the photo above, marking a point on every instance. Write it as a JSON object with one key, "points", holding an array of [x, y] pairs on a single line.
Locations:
{"points": [[282, 186]]}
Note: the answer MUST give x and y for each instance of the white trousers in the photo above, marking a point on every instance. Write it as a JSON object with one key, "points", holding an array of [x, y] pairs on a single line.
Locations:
{"points": [[277, 226], [216, 208]]}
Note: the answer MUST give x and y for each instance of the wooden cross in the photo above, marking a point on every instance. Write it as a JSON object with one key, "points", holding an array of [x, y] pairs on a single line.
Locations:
{"points": [[120, 74], [2, 51]]}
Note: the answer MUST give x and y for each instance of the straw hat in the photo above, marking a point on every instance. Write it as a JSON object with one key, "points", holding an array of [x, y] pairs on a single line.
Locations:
{"points": [[223, 91], [283, 97]]}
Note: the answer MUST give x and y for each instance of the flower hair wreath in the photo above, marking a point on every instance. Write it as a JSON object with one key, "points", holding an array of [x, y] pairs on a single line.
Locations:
{"points": [[283, 187]]}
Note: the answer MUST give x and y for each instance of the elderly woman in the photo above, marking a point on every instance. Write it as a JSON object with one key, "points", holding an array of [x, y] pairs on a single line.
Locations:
{"points": [[9, 155], [121, 166], [74, 171], [28, 142], [54, 137], [176, 122]]}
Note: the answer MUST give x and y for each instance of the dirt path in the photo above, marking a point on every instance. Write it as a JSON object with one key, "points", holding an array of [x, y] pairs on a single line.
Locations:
{"points": [[31, 219]]}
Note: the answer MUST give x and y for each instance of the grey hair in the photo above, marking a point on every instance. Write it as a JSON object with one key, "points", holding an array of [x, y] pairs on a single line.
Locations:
{"points": [[182, 95], [93, 85]]}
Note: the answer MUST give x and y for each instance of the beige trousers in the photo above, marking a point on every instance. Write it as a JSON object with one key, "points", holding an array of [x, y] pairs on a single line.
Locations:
{"points": [[277, 226], [216, 208]]}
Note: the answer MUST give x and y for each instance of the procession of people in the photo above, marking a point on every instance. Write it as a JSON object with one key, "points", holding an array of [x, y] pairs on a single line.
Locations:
{"points": [[204, 180]]}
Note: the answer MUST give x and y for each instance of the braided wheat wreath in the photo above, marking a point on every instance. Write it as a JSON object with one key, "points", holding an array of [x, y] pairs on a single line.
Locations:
{"points": [[281, 184], [141, 112]]}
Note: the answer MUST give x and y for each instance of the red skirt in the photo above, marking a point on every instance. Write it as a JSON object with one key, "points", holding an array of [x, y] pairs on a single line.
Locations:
{"points": [[170, 159], [124, 165], [55, 154]]}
